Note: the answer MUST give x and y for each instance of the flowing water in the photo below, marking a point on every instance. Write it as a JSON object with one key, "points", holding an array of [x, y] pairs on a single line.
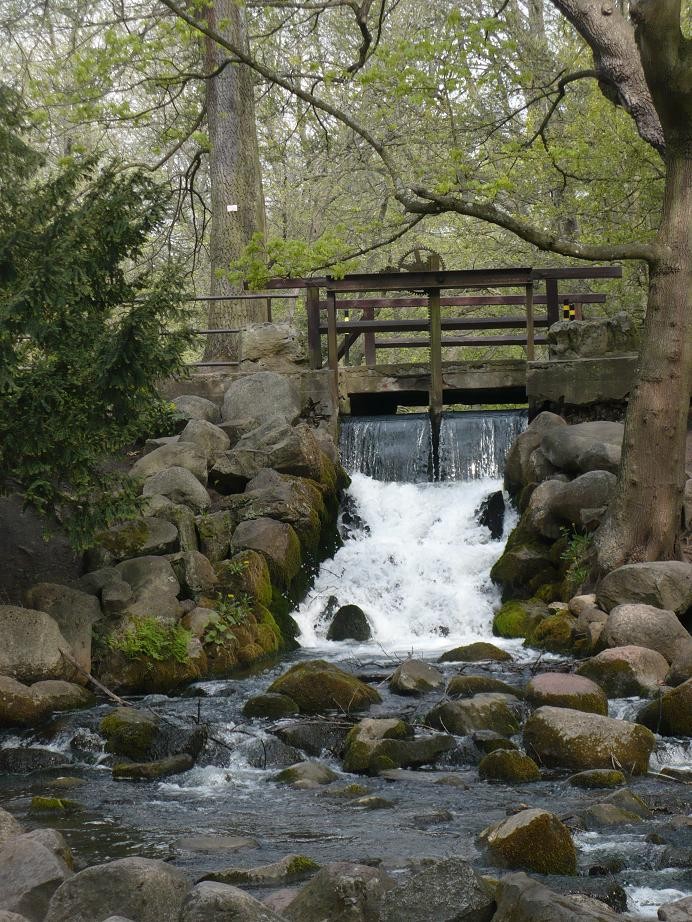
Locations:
{"points": [[418, 563]]}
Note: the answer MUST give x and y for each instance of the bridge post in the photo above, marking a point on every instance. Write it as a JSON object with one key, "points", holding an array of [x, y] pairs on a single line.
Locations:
{"points": [[436, 383], [312, 305], [332, 344], [529, 323], [552, 298]]}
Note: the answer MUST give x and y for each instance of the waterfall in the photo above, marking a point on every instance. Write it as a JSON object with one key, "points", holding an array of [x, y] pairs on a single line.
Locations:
{"points": [[475, 444]]}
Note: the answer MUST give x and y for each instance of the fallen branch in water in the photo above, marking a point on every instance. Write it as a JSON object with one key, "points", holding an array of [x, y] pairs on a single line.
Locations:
{"points": [[94, 681]]}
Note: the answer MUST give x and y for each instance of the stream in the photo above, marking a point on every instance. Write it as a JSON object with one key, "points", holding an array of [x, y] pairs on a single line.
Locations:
{"points": [[415, 559]]}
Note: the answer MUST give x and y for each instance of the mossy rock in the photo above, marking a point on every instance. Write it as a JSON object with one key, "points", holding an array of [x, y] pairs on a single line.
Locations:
{"points": [[314, 773], [475, 653], [517, 618], [317, 686], [534, 840], [129, 733], [246, 573], [152, 771], [281, 608], [488, 741], [597, 778], [554, 634], [525, 564], [671, 714], [466, 686], [387, 754], [222, 658], [362, 741], [508, 765], [250, 653], [288, 869], [550, 592], [349, 791], [270, 705], [42, 804]]}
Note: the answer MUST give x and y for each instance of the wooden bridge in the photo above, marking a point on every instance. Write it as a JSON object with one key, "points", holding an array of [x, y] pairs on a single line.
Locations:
{"points": [[343, 310]]}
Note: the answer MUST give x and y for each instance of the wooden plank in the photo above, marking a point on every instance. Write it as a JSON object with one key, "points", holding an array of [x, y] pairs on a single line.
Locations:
{"points": [[579, 272], [455, 341], [415, 325], [332, 346], [436, 381], [312, 304], [552, 295], [347, 342], [369, 338], [529, 324], [459, 301]]}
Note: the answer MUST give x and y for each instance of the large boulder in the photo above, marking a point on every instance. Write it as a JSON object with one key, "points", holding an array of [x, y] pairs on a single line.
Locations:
{"points": [[206, 436], [593, 338], [477, 652], [532, 839], [681, 666], [215, 531], [349, 623], [139, 888], [180, 486], [447, 890], [278, 544], [525, 564], [415, 677], [73, 611], [216, 902], [577, 740], [9, 827], [194, 573], [262, 397], [136, 538], [665, 584], [57, 695], [517, 470], [377, 745], [491, 514], [141, 736], [508, 765], [594, 446], [190, 406], [488, 711], [570, 691], [245, 573], [523, 899], [30, 873], [272, 346], [177, 454], [539, 515], [677, 911], [32, 646], [317, 685], [154, 586], [18, 704], [519, 617], [642, 625], [625, 671], [466, 686], [582, 501], [341, 892], [671, 714]]}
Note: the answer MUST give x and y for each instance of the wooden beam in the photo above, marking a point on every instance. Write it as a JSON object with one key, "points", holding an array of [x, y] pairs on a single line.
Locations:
{"points": [[459, 301], [552, 295], [369, 338], [529, 324], [435, 317], [579, 272], [456, 341], [416, 325], [312, 304], [332, 346]]}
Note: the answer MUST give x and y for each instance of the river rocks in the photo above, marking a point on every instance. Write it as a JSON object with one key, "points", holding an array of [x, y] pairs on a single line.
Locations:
{"points": [[517, 469], [681, 666], [194, 572], [179, 485], [466, 686], [582, 501], [671, 714], [136, 538], [18, 704], [508, 765], [554, 634], [261, 397], [30, 873], [306, 774], [278, 544], [677, 911], [593, 446], [129, 732], [378, 745], [447, 890], [270, 705], [569, 691], [518, 618], [155, 588], [314, 736], [341, 892], [626, 671], [525, 564], [190, 406], [539, 516], [603, 816], [316, 686], [532, 839], [491, 514], [482, 712], [349, 623], [9, 827], [151, 771], [57, 695], [645, 626], [144, 889], [217, 902], [245, 573], [415, 677], [522, 899], [31, 646], [597, 778], [289, 868], [573, 739], [173, 456], [475, 653], [665, 584], [206, 436], [73, 611], [21, 760]]}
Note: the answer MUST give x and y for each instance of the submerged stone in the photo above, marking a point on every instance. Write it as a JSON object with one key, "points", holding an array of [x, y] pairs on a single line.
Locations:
{"points": [[475, 653], [317, 686]]}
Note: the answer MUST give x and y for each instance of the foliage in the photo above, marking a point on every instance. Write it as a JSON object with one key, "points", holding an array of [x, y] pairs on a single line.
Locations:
{"points": [[577, 557], [233, 612], [149, 638], [86, 331]]}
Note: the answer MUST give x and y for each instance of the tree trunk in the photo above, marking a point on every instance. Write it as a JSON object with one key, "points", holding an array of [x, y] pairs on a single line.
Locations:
{"points": [[237, 200], [643, 521]]}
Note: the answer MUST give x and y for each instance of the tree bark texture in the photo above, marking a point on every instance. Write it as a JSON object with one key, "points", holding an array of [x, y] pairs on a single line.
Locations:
{"points": [[237, 200]]}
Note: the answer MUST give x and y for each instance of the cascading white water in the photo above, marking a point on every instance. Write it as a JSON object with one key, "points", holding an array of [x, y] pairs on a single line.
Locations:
{"points": [[420, 571]]}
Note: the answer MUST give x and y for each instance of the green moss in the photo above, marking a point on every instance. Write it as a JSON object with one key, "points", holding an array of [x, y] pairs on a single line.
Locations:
{"points": [[301, 864], [598, 778], [149, 638], [550, 592], [554, 634], [508, 765], [544, 846], [41, 804], [128, 733], [525, 564], [125, 540], [517, 618], [317, 686]]}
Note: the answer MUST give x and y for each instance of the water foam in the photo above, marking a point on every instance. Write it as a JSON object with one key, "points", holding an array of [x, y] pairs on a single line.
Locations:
{"points": [[421, 572]]}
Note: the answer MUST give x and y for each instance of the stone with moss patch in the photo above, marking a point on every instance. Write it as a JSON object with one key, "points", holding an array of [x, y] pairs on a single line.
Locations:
{"points": [[508, 765], [517, 618], [270, 705], [532, 839], [466, 686], [569, 691], [317, 685], [488, 711], [475, 653], [41, 804], [597, 778], [315, 773], [289, 868], [671, 714], [525, 564], [129, 732], [151, 771], [554, 634], [246, 573]]}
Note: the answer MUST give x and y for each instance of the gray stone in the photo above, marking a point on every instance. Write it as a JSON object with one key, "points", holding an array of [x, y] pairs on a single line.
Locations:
{"points": [[152, 771], [180, 486], [576, 740], [9, 827], [341, 892], [415, 677], [199, 619], [681, 666], [671, 714], [531, 839], [115, 597], [261, 397], [30, 874], [314, 773], [153, 444], [155, 587], [290, 867], [180, 454], [603, 816], [522, 899], [57, 695], [275, 346], [594, 446], [349, 623], [518, 471], [19, 705], [73, 611], [147, 890], [278, 544], [210, 901], [6, 916], [445, 891], [31, 646], [645, 626], [539, 515], [579, 604], [190, 406], [22, 760], [137, 538], [664, 584], [178, 514], [625, 671], [564, 690], [678, 911], [206, 436], [54, 842], [583, 501], [687, 505], [314, 736], [215, 531], [194, 573], [487, 711], [593, 338]]}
